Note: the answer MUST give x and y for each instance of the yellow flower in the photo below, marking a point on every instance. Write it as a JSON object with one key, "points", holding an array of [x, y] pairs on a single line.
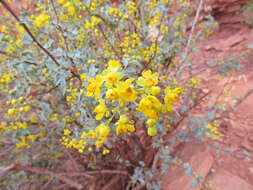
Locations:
{"points": [[77, 114], [106, 151], [32, 138], [150, 106], [14, 102], [93, 88], [83, 77], [67, 131], [22, 143], [114, 65], [62, 2], [103, 130], [123, 125], [101, 110], [111, 78], [99, 143], [112, 94], [12, 111], [151, 122], [112, 74], [84, 135], [148, 79], [92, 134], [194, 82], [34, 118], [126, 91], [27, 108], [152, 131], [171, 96]]}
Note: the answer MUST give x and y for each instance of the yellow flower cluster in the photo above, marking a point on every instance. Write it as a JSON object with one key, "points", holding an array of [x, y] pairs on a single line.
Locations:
{"points": [[194, 82], [212, 131], [114, 91], [114, 12], [92, 23], [123, 90], [16, 127], [17, 106], [129, 43], [131, 7], [13, 126], [98, 136], [5, 80], [69, 6], [22, 143], [41, 20], [71, 98]]}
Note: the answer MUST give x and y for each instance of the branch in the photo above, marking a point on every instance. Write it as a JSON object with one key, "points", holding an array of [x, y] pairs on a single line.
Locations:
{"points": [[191, 35], [42, 171], [108, 172], [240, 100]]}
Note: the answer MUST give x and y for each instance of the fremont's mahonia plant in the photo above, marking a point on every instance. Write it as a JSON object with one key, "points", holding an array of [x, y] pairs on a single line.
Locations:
{"points": [[98, 83]]}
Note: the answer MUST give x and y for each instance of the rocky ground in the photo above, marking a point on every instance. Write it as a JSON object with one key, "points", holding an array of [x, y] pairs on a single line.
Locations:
{"points": [[223, 171]]}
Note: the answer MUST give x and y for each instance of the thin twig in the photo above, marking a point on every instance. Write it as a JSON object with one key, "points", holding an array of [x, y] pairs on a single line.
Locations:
{"points": [[191, 36], [108, 172], [78, 174], [239, 101], [65, 40]]}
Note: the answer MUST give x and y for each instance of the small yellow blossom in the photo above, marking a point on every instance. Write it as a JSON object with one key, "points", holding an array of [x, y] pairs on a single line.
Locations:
{"points": [[112, 94], [123, 125], [148, 79], [83, 77], [126, 91], [101, 110], [152, 131], [67, 131], [93, 88]]}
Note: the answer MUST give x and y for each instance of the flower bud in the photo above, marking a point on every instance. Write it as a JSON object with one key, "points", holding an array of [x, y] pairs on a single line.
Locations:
{"points": [[152, 131]]}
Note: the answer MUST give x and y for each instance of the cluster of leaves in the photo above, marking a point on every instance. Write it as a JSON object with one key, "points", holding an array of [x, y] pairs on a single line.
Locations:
{"points": [[98, 83]]}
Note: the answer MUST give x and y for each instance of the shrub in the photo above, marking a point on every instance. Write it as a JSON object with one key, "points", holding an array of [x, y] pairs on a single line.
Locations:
{"points": [[97, 89]]}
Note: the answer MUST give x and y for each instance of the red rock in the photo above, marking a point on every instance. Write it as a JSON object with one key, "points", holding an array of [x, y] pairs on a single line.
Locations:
{"points": [[200, 160], [233, 40], [224, 180], [247, 144]]}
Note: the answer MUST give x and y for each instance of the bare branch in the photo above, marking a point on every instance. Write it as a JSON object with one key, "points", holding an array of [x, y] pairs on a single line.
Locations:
{"points": [[191, 35]]}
